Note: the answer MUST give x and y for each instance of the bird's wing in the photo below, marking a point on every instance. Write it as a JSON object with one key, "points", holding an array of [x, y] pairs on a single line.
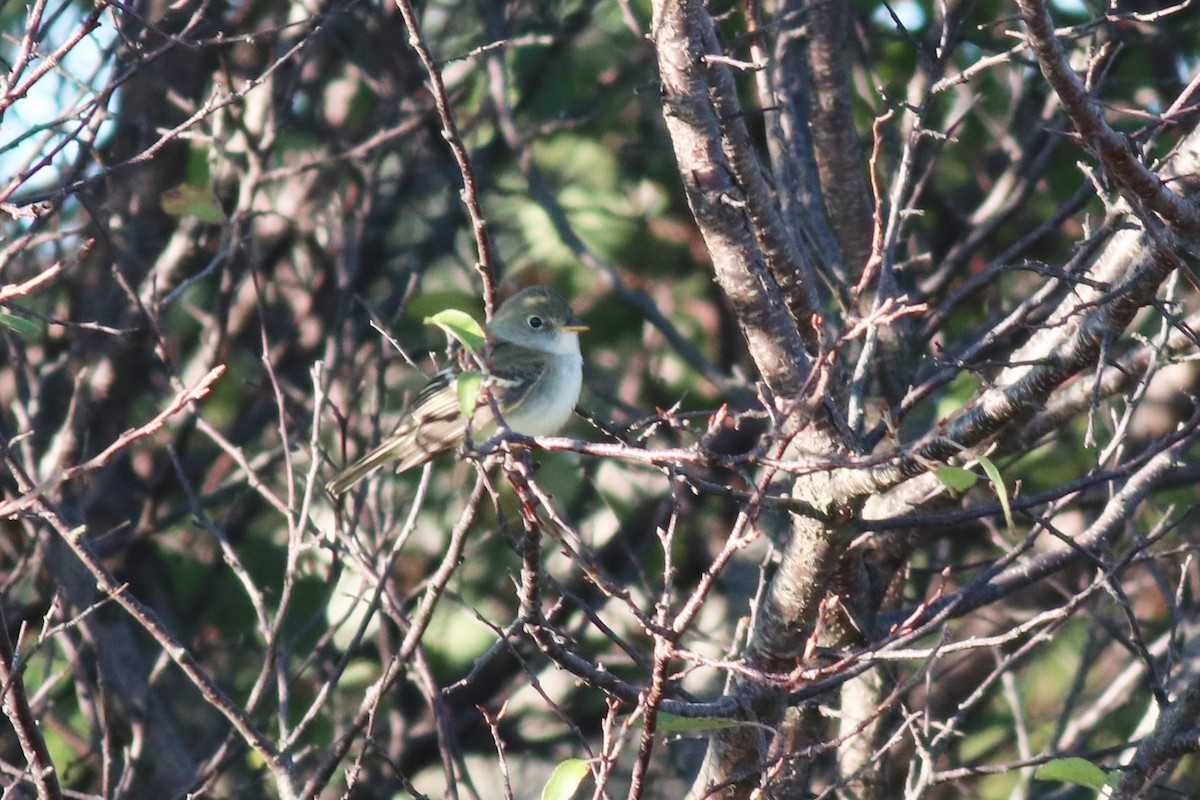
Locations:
{"points": [[433, 425], [436, 423], [517, 386]]}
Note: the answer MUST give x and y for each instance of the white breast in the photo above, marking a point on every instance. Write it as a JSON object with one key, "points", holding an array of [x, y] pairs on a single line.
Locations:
{"points": [[547, 414]]}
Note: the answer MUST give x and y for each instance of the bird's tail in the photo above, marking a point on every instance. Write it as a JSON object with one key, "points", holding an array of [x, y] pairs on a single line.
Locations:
{"points": [[389, 449]]}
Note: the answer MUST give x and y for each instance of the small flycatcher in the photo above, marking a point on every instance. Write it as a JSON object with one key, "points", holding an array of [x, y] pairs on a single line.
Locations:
{"points": [[536, 373]]}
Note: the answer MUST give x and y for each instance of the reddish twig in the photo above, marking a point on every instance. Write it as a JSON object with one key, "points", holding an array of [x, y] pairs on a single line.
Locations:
{"points": [[183, 399], [15, 705], [470, 193]]}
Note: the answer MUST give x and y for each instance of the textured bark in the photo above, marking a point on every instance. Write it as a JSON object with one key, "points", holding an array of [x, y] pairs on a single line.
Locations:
{"points": [[836, 145], [787, 92], [773, 532], [816, 563], [762, 275]]}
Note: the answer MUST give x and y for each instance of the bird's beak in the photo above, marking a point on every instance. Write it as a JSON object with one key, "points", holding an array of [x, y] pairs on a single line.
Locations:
{"points": [[574, 328]]}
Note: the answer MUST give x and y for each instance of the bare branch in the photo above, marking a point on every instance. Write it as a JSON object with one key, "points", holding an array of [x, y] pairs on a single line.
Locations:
{"points": [[1120, 162]]}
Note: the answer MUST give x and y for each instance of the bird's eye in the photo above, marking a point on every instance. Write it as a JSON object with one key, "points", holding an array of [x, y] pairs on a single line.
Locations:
{"points": [[536, 322]]}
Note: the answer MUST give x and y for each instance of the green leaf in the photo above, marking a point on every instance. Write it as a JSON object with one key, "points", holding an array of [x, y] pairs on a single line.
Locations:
{"points": [[669, 723], [462, 326], [1078, 771], [468, 392], [998, 485], [565, 779], [956, 479], [25, 327], [192, 201]]}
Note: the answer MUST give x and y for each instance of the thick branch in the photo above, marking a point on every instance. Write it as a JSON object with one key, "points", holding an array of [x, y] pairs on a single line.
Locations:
{"points": [[836, 144], [1176, 734], [1123, 279], [763, 276], [784, 89], [1114, 150]]}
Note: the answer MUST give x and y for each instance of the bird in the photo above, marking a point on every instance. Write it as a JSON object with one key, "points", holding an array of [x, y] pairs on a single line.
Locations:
{"points": [[536, 372]]}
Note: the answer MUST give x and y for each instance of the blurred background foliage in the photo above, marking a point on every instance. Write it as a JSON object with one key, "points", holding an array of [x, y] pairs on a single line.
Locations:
{"points": [[261, 182]]}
